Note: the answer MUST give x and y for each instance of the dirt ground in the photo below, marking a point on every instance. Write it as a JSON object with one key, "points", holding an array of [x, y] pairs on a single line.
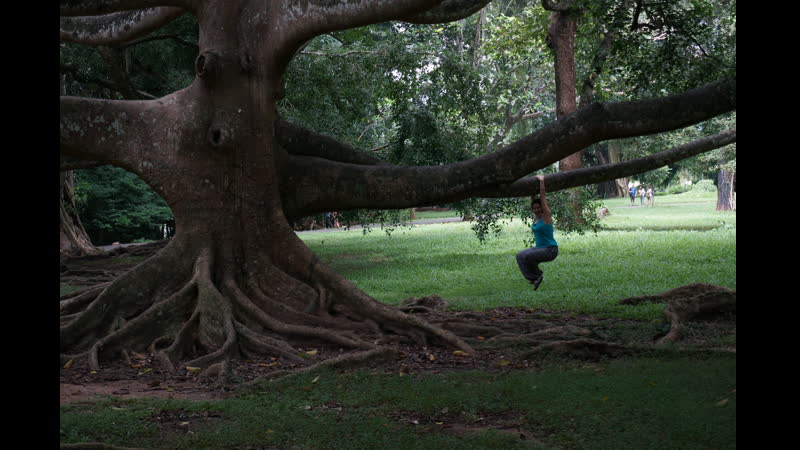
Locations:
{"points": [[142, 376]]}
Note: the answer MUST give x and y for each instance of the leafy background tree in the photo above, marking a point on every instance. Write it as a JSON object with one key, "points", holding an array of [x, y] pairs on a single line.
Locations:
{"points": [[117, 206]]}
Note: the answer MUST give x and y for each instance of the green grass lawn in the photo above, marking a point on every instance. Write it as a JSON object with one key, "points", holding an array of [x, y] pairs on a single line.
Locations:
{"points": [[427, 215], [663, 399], [641, 404], [642, 251]]}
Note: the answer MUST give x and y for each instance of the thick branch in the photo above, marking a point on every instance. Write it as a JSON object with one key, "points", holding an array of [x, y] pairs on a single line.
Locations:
{"points": [[299, 141], [71, 8], [308, 18], [322, 185], [173, 37], [118, 27], [448, 11], [68, 163], [117, 132], [592, 175]]}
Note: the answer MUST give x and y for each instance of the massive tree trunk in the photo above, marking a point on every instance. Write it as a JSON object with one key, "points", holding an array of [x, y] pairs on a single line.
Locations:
{"points": [[726, 190], [235, 280]]}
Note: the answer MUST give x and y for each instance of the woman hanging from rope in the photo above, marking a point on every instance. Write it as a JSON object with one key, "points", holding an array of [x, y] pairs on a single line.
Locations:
{"points": [[546, 247]]}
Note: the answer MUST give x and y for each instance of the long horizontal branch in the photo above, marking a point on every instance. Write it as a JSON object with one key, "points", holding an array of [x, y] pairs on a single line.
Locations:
{"points": [[173, 37], [300, 141], [448, 11], [116, 28], [306, 19], [529, 185], [324, 185], [68, 163], [72, 8], [119, 132]]}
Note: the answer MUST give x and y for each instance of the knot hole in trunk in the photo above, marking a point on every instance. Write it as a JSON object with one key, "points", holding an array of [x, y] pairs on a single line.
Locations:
{"points": [[207, 64], [217, 136]]}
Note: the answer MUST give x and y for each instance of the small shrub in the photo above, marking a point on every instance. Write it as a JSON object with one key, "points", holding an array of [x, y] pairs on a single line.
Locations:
{"points": [[704, 186]]}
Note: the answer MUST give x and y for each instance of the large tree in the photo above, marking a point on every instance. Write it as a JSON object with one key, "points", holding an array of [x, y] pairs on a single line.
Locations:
{"points": [[236, 280]]}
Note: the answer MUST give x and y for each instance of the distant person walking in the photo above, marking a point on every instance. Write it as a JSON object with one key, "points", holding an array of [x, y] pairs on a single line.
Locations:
{"points": [[632, 193], [546, 248], [641, 196], [650, 194]]}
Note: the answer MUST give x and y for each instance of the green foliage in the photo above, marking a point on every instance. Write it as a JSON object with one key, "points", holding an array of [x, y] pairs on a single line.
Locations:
{"points": [[160, 64], [490, 215], [670, 45], [704, 186], [388, 219], [116, 205], [165, 65]]}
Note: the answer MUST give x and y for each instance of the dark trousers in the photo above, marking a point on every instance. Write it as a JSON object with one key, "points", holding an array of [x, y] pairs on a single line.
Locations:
{"points": [[529, 259]]}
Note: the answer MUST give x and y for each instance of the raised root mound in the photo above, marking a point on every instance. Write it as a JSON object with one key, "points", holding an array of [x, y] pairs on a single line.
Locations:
{"points": [[531, 335], [695, 301]]}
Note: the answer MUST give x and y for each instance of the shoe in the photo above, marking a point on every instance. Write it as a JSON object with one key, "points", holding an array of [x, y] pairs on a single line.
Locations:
{"points": [[538, 282]]}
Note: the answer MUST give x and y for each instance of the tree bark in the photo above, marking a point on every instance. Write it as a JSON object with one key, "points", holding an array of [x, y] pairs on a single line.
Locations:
{"points": [[74, 240], [615, 156], [561, 39], [726, 190]]}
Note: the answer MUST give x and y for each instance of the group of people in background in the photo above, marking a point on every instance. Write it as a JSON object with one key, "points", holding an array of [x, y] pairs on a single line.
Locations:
{"points": [[332, 220], [643, 193]]}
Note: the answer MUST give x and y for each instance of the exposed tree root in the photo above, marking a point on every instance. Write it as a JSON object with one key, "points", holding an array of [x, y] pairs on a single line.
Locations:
{"points": [[349, 360], [534, 338], [204, 311], [424, 304], [695, 301], [204, 314]]}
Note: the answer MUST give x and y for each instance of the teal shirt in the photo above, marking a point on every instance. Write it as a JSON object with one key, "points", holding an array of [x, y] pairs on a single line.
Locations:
{"points": [[544, 234]]}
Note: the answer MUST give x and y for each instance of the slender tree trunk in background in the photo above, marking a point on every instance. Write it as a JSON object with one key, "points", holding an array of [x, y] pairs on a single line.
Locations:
{"points": [[561, 39], [615, 156], [73, 238], [726, 190], [476, 55]]}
